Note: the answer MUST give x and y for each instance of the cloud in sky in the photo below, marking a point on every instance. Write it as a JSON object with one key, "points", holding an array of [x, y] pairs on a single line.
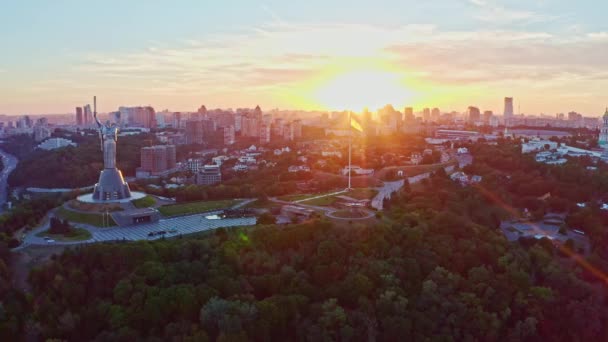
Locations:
{"points": [[280, 64], [598, 35], [492, 12], [281, 58]]}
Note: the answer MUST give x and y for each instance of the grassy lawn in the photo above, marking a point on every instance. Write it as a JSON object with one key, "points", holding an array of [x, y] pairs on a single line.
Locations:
{"points": [[87, 218], [260, 205], [304, 197], [362, 193], [350, 213], [144, 202], [94, 207], [77, 234], [299, 197], [291, 198], [195, 207], [359, 193], [322, 202], [412, 170]]}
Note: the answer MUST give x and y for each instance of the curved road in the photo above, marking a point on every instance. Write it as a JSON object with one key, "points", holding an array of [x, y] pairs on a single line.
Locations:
{"points": [[9, 162], [385, 192]]}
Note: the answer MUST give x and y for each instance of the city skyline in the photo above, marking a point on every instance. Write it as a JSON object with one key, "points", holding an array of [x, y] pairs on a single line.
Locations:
{"points": [[546, 55]]}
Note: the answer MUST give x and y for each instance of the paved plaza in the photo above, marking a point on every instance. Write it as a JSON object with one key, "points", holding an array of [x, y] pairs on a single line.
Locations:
{"points": [[181, 225], [135, 195], [173, 226]]}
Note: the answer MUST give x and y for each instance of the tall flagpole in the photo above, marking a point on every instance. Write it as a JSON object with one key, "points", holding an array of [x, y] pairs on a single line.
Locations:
{"points": [[350, 143]]}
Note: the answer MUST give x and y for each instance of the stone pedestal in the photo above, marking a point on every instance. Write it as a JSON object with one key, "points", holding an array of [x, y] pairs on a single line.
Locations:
{"points": [[111, 186]]}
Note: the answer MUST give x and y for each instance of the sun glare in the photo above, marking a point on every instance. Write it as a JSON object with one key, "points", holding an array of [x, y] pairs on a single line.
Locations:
{"points": [[358, 89]]}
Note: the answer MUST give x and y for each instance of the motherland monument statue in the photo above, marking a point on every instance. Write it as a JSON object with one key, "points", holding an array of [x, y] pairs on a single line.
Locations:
{"points": [[111, 185]]}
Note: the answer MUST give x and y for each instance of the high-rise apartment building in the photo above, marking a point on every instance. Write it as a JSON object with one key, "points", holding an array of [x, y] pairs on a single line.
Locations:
{"points": [[426, 115], [474, 114], [24, 122], [264, 133], [87, 115], [41, 130], [238, 121], [138, 116], [195, 116], [251, 122], [250, 125], [487, 115], [297, 128], [160, 120], [574, 116], [257, 113], [145, 117], [156, 160], [194, 132], [508, 113], [199, 131], [435, 114], [220, 117], [408, 114], [177, 120], [278, 127], [390, 117], [229, 137], [292, 130], [79, 117]]}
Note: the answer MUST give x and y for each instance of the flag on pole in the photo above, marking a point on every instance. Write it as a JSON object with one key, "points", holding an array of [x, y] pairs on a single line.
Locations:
{"points": [[355, 124]]}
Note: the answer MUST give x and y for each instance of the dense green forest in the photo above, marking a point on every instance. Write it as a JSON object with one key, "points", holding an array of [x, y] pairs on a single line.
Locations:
{"points": [[434, 266], [71, 167]]}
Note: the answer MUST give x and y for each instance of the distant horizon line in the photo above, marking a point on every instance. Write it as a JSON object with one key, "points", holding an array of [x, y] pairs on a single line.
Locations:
{"points": [[300, 110], [601, 113]]}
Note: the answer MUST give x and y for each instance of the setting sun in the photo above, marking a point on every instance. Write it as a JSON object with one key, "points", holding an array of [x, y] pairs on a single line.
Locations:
{"points": [[363, 88]]}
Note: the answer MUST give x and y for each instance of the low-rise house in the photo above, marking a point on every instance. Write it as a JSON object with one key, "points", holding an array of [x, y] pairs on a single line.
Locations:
{"points": [[209, 175], [331, 154], [55, 143], [357, 170], [298, 168], [247, 160], [463, 179], [219, 159]]}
